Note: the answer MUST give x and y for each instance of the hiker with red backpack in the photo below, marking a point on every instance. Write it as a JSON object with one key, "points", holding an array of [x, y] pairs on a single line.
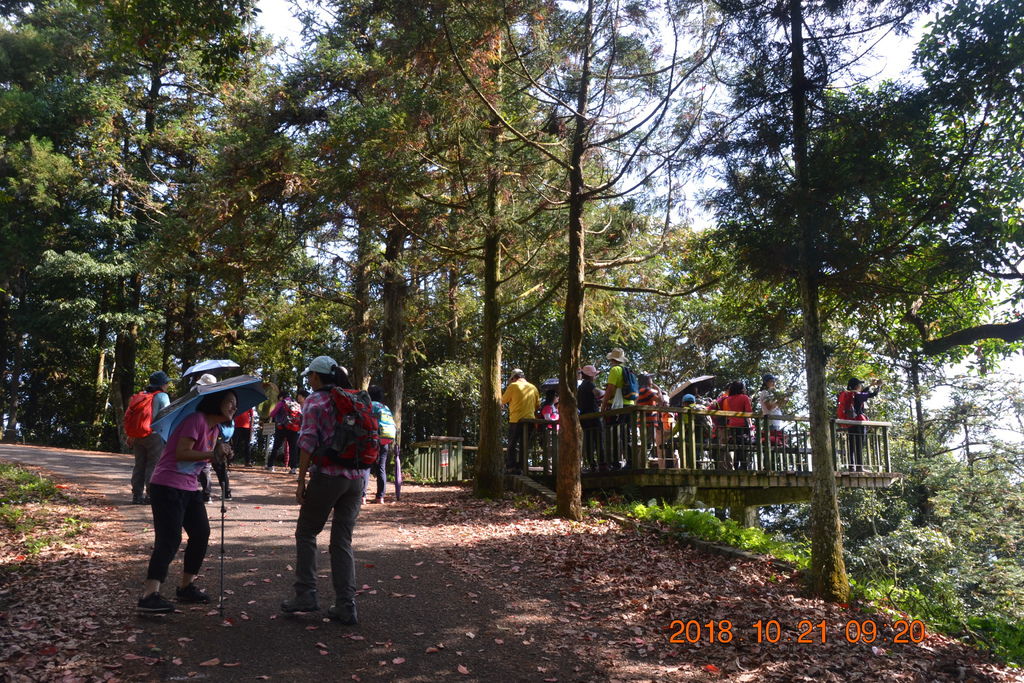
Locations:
{"points": [[338, 442], [851, 406], [146, 444], [287, 418]]}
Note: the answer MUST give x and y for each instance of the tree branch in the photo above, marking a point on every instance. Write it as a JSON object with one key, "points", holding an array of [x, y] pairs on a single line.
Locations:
{"points": [[491, 108], [650, 290], [1009, 332]]}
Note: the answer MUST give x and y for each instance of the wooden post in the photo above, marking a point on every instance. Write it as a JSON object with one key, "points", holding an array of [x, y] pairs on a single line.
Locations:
{"points": [[885, 446], [835, 444], [640, 460], [691, 440]]}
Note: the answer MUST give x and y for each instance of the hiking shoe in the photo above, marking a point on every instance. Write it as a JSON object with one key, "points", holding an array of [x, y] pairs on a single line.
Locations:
{"points": [[154, 604], [137, 500], [344, 613], [191, 594], [303, 602], [378, 500]]}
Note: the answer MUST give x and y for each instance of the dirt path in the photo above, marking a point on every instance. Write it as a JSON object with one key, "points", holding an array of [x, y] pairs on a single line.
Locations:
{"points": [[419, 619], [452, 587]]}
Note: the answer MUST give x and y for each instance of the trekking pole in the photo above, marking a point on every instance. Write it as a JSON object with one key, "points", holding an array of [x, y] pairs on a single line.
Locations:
{"points": [[223, 512]]}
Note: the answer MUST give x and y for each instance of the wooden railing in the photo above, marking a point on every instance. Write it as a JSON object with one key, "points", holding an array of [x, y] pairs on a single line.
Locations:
{"points": [[657, 437], [439, 458]]}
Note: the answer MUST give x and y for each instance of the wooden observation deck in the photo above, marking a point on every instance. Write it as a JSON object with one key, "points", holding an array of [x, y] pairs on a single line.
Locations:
{"points": [[688, 457]]}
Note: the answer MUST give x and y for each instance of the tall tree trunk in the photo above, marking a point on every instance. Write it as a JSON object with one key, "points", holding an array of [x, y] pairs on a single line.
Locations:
{"points": [[167, 343], [570, 435], [14, 387], [915, 385], [190, 321], [828, 570], [395, 294], [490, 465], [490, 460], [360, 321], [455, 412], [99, 386], [118, 405], [126, 346], [6, 344]]}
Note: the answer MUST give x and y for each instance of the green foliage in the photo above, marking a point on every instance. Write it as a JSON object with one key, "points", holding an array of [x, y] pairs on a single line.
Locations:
{"points": [[19, 486], [708, 527], [1004, 637]]}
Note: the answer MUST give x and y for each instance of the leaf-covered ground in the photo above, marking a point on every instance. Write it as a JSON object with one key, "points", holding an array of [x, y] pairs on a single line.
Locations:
{"points": [[56, 583], [612, 594], [451, 588]]}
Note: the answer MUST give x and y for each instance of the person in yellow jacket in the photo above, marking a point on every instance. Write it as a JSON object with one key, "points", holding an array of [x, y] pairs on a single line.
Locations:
{"points": [[523, 401]]}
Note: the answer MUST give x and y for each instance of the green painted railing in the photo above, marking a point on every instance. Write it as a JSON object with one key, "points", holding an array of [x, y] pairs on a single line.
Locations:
{"points": [[439, 458]]}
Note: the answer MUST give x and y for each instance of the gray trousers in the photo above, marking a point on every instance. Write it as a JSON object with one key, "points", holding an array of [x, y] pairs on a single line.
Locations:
{"points": [[147, 452], [324, 494]]}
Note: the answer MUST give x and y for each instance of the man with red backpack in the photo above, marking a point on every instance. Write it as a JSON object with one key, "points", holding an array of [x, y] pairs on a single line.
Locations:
{"points": [[287, 418], [851, 406], [147, 445], [339, 440]]}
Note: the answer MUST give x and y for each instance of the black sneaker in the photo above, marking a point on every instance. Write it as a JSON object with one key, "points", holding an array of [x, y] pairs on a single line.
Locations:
{"points": [[154, 604], [344, 613], [304, 602], [191, 594], [137, 500]]}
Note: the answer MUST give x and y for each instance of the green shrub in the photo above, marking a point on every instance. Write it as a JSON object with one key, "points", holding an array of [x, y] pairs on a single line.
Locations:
{"points": [[706, 526], [18, 486]]}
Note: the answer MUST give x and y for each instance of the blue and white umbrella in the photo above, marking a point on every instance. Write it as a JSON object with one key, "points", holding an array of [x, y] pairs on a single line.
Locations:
{"points": [[248, 390], [210, 366]]}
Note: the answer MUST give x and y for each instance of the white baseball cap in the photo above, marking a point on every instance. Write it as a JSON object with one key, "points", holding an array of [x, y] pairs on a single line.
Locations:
{"points": [[323, 364]]}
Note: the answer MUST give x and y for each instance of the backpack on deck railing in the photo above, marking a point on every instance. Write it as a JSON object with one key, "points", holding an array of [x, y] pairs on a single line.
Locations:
{"points": [[139, 415], [355, 441]]}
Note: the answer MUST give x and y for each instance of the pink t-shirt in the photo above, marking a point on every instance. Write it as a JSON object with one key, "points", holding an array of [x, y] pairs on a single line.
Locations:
{"points": [[185, 475]]}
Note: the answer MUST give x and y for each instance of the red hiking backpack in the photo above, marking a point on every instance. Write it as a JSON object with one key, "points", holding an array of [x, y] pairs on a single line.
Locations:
{"points": [[355, 442], [844, 411], [139, 415]]}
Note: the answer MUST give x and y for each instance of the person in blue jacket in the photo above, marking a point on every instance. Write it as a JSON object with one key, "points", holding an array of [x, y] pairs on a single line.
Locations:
{"points": [[386, 431]]}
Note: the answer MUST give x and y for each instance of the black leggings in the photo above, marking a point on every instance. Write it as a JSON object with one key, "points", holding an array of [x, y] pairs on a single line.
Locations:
{"points": [[280, 437], [174, 510]]}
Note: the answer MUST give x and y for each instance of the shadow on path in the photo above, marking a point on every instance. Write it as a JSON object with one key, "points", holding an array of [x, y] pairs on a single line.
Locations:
{"points": [[420, 619]]}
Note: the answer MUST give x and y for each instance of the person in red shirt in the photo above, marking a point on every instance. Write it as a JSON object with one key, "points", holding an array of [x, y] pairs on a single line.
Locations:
{"points": [[287, 417], [738, 428], [240, 442]]}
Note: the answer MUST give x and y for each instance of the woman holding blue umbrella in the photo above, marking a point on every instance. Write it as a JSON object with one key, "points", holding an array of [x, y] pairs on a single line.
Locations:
{"points": [[175, 495]]}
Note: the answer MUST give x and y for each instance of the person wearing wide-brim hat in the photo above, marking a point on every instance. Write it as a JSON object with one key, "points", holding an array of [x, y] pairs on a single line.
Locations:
{"points": [[613, 399]]}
